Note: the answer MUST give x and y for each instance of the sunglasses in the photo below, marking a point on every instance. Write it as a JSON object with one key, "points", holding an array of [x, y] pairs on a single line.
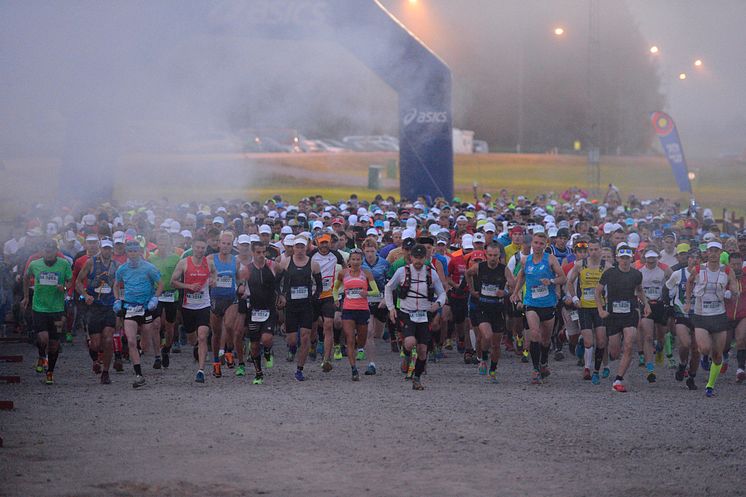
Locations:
{"points": [[625, 253], [581, 245]]}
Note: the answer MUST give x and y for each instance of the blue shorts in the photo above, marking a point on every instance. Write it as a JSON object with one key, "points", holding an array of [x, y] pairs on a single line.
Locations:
{"points": [[359, 316]]}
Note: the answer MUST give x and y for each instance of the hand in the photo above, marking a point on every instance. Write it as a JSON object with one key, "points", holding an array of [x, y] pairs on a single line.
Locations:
{"points": [[392, 315], [515, 298], [61, 288], [647, 311], [382, 305], [364, 293], [117, 306], [434, 307], [687, 307], [576, 301], [88, 299], [194, 287], [603, 314], [281, 301], [152, 303], [24, 304], [546, 281], [728, 294]]}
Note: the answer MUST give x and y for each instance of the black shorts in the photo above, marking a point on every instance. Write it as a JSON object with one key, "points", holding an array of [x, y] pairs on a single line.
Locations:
{"points": [[492, 314], [458, 309], [146, 318], [218, 306], [259, 328], [658, 313], [298, 317], [169, 308], [100, 317], [616, 323], [324, 308], [512, 311], [684, 321], [545, 313], [381, 314], [359, 316], [473, 313], [195, 318], [713, 324], [420, 331], [589, 319], [47, 321]]}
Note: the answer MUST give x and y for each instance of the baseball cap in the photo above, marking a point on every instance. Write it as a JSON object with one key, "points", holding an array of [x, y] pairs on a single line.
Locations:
{"points": [[633, 240], [624, 250], [91, 238], [338, 220], [300, 240], [467, 241], [442, 239], [516, 230], [186, 233], [218, 220], [651, 253], [489, 228], [478, 238], [289, 240], [714, 244], [244, 239], [683, 248], [265, 229], [317, 225], [419, 250], [371, 232], [321, 239], [461, 218], [106, 243], [286, 230], [408, 234], [552, 232]]}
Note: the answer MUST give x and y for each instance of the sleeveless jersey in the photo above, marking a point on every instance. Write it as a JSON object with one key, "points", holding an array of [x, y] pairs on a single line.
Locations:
{"points": [[197, 274], [101, 281], [538, 294], [488, 282], [588, 279], [225, 287], [298, 284], [709, 289], [652, 282], [353, 287]]}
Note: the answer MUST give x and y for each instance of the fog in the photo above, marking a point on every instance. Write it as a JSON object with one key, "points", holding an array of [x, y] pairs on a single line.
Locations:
{"points": [[89, 81]]}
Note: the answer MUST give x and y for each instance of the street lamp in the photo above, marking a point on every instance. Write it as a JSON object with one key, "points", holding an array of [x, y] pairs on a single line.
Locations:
{"points": [[682, 76], [654, 49], [412, 2], [559, 31], [698, 63]]}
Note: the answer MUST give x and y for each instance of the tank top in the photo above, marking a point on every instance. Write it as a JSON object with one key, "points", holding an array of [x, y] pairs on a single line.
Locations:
{"points": [[488, 282], [537, 293], [652, 282], [709, 290], [101, 281], [588, 279], [225, 287], [298, 284], [353, 287], [328, 265], [197, 274]]}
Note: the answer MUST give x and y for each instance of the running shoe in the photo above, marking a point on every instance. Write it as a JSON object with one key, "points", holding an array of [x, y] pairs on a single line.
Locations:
{"points": [[200, 378], [679, 375], [672, 363], [326, 366], [216, 370], [118, 366], [96, 367], [139, 381], [337, 353], [704, 362], [105, 380], [482, 368], [559, 355], [299, 375], [690, 383], [401, 352], [524, 357], [449, 344], [157, 363], [165, 359], [355, 375], [416, 384], [241, 370], [467, 357], [740, 375], [493, 376], [474, 359], [536, 378], [312, 353], [69, 337], [709, 392], [269, 361], [519, 346], [595, 379], [176, 347], [431, 357], [229, 361], [659, 358], [605, 373], [544, 371], [50, 378], [724, 368], [651, 377], [40, 365], [439, 353], [618, 386], [586, 374], [360, 355], [290, 357], [371, 370], [508, 344], [259, 380]]}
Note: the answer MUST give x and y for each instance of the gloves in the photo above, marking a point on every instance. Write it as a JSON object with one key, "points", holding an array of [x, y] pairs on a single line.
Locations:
{"points": [[152, 303], [576, 300], [117, 306], [728, 294]]}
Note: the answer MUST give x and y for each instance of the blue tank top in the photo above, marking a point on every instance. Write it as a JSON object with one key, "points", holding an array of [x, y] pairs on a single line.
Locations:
{"points": [[538, 294], [225, 287], [101, 282]]}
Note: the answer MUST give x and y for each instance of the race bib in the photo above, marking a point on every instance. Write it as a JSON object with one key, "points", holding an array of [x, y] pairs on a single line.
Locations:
{"points": [[652, 292], [326, 283], [539, 291], [489, 290], [166, 297], [621, 307], [589, 294], [225, 282], [259, 315], [418, 316], [298, 292], [195, 298], [48, 279], [574, 316], [377, 299], [134, 311], [353, 293], [712, 306], [103, 289]]}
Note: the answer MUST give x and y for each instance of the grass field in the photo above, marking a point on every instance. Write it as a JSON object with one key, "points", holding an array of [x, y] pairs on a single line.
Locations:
{"points": [[206, 177]]}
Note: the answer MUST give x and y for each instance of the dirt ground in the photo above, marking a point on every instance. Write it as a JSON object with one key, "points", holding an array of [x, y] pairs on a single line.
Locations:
{"points": [[329, 436]]}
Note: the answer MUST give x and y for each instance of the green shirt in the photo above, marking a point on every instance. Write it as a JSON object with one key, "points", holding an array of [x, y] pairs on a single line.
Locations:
{"points": [[47, 296], [400, 262], [166, 266]]}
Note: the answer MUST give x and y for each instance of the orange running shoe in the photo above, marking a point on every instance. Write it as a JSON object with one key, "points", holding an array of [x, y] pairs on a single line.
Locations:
{"points": [[229, 360], [216, 372]]}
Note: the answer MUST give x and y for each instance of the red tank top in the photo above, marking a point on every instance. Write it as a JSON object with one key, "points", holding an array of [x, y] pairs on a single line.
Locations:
{"points": [[196, 274], [353, 286]]}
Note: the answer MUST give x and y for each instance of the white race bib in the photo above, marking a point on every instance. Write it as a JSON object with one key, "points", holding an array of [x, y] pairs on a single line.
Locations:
{"points": [[326, 283], [298, 292], [195, 298], [574, 316], [589, 294], [48, 279], [135, 311], [418, 316], [489, 290], [621, 307], [103, 289], [225, 282], [375, 299], [166, 297], [712, 307], [652, 292], [539, 291], [353, 293], [259, 315]]}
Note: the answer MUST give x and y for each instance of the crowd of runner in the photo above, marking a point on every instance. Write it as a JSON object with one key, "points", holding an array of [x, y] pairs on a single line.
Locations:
{"points": [[610, 280]]}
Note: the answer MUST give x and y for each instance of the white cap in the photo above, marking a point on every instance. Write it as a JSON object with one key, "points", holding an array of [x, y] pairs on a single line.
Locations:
{"points": [[602, 211], [552, 232], [708, 237], [352, 219], [408, 234], [714, 244], [70, 236], [434, 229], [118, 237], [651, 253], [467, 241], [411, 223], [286, 230], [244, 239], [89, 219], [221, 209], [91, 238], [371, 232], [254, 238], [490, 228], [300, 240], [186, 233], [218, 219], [317, 225], [289, 240], [364, 218], [461, 218], [391, 215], [479, 238], [265, 229], [175, 227], [538, 229], [633, 240], [608, 228], [106, 243]]}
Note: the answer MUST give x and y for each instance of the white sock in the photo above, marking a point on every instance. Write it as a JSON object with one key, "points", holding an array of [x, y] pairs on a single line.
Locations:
{"points": [[588, 357]]}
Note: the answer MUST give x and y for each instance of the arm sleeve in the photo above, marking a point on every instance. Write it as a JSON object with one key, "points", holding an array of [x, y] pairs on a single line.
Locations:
{"points": [[319, 285], [439, 290], [374, 291], [392, 285], [335, 290]]}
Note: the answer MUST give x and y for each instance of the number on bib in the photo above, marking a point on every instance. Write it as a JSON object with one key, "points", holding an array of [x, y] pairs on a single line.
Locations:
{"points": [[298, 292], [166, 297], [353, 293], [196, 298], [326, 283], [259, 315], [574, 316], [652, 292], [103, 289], [589, 294], [48, 279], [225, 282], [418, 316], [621, 307], [134, 311], [539, 291], [489, 290]]}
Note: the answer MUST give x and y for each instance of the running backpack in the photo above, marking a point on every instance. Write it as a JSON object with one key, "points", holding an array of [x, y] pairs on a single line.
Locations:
{"points": [[405, 287]]}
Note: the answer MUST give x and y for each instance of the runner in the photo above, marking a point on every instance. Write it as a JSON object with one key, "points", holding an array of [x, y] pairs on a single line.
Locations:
{"points": [[95, 282], [736, 308], [421, 294], [195, 275], [223, 310], [654, 278], [324, 308], [379, 268], [623, 286], [51, 277], [683, 327], [137, 287], [541, 273], [711, 285], [166, 259]]}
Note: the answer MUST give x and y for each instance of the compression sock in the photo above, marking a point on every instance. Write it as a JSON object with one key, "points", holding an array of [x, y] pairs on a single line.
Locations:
{"points": [[138, 369], [257, 360], [544, 358], [598, 359], [485, 355], [52, 360], [493, 366], [741, 356], [419, 366], [337, 335], [588, 356], [93, 354], [668, 345], [534, 348], [42, 350], [714, 373], [267, 352]]}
